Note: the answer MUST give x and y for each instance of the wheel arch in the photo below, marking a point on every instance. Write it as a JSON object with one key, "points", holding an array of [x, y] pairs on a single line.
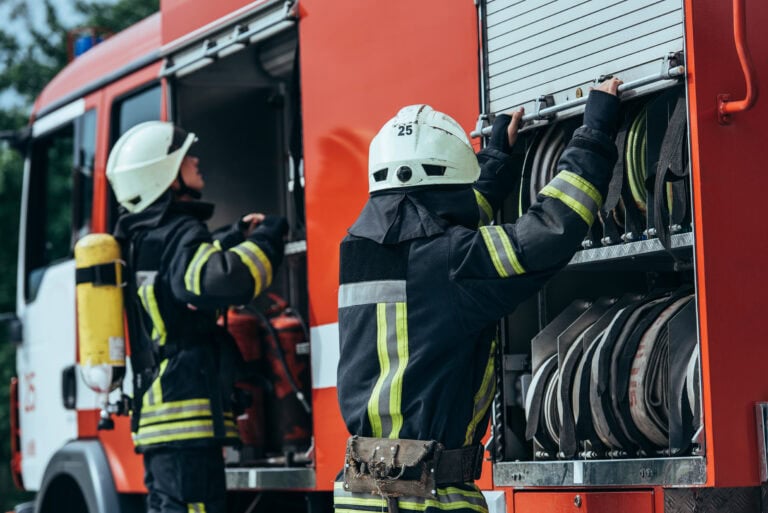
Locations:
{"points": [[85, 463]]}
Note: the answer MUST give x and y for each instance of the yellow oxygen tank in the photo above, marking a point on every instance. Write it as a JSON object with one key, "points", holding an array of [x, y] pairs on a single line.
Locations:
{"points": [[100, 328]]}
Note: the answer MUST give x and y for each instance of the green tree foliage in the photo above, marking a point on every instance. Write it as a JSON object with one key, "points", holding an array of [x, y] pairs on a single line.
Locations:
{"points": [[29, 58]]}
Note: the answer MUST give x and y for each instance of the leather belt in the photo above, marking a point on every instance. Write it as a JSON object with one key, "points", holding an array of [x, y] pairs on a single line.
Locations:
{"points": [[410, 468]]}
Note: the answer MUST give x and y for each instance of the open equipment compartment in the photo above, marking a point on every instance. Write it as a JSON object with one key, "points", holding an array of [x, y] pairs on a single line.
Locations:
{"points": [[243, 103], [599, 380]]}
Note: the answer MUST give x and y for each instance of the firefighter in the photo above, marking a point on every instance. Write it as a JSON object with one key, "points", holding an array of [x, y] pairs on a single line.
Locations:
{"points": [[424, 278], [183, 280]]}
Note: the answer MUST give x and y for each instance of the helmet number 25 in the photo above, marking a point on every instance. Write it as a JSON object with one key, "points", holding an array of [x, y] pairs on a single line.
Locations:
{"points": [[405, 130]]}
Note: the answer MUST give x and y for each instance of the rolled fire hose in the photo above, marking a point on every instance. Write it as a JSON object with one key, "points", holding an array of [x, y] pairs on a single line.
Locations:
{"points": [[635, 151], [581, 386], [535, 404], [545, 165], [693, 389], [565, 385], [551, 412], [603, 426], [540, 165], [648, 391]]}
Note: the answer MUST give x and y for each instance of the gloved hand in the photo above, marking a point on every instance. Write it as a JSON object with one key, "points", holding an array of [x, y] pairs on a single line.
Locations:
{"points": [[602, 110], [504, 131], [275, 226], [249, 222]]}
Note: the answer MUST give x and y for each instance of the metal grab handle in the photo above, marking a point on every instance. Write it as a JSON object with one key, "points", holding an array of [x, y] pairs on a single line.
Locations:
{"points": [[726, 106], [669, 74]]}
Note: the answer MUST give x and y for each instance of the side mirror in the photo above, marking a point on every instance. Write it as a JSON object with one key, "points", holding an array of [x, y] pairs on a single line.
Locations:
{"points": [[13, 327]]}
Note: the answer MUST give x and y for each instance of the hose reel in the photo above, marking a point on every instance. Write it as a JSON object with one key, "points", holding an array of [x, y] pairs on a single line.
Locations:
{"points": [[649, 191]]}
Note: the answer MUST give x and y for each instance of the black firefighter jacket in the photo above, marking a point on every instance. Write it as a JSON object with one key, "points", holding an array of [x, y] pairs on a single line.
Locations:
{"points": [[422, 287], [183, 281]]}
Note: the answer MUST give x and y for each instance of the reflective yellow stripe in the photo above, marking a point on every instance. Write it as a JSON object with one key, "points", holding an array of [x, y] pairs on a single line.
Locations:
{"points": [[174, 431], [502, 253], [381, 346], [154, 394], [149, 302], [584, 185], [407, 505], [576, 193], [494, 254], [358, 501], [196, 507], [475, 500], [574, 205], [508, 249], [452, 490], [485, 208], [483, 396], [169, 414], [217, 244], [396, 392], [258, 264], [230, 428], [442, 506], [188, 403], [195, 267]]}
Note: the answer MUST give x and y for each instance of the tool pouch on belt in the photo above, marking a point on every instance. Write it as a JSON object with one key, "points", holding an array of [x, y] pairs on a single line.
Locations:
{"points": [[407, 468]]}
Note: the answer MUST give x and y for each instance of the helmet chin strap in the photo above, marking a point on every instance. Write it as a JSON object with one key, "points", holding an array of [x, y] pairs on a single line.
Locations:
{"points": [[184, 189]]}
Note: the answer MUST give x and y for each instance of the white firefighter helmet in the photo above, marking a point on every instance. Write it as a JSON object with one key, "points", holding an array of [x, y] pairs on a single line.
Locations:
{"points": [[145, 161], [420, 146]]}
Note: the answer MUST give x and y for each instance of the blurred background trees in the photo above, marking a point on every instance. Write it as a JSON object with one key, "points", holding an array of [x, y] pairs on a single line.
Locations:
{"points": [[33, 48]]}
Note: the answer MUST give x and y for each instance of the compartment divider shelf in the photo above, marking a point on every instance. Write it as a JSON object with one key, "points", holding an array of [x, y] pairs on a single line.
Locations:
{"points": [[650, 254], [677, 471]]}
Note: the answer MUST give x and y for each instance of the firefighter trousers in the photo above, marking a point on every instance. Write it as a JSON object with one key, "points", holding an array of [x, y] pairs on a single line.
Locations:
{"points": [[460, 498], [185, 480]]}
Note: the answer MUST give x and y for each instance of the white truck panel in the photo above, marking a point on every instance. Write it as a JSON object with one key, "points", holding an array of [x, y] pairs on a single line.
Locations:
{"points": [[555, 47], [48, 347]]}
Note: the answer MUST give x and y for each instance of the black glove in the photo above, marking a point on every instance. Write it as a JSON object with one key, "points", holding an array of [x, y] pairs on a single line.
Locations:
{"points": [[499, 138], [272, 226], [602, 112]]}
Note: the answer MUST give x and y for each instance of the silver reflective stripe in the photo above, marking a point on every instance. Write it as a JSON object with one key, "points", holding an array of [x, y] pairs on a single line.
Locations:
{"points": [[498, 246], [575, 193], [145, 278], [385, 406], [203, 428], [194, 408], [371, 292], [253, 257], [150, 397]]}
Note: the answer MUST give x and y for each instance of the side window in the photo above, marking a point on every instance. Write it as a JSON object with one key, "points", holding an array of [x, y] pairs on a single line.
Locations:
{"points": [[85, 156], [134, 109], [60, 195], [128, 112]]}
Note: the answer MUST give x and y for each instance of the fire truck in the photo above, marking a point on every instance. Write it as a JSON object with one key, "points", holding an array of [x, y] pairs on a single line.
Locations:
{"points": [[634, 382]]}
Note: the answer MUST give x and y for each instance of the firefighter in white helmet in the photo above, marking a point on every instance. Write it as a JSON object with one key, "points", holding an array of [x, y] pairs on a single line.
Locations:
{"points": [[423, 281], [181, 278]]}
